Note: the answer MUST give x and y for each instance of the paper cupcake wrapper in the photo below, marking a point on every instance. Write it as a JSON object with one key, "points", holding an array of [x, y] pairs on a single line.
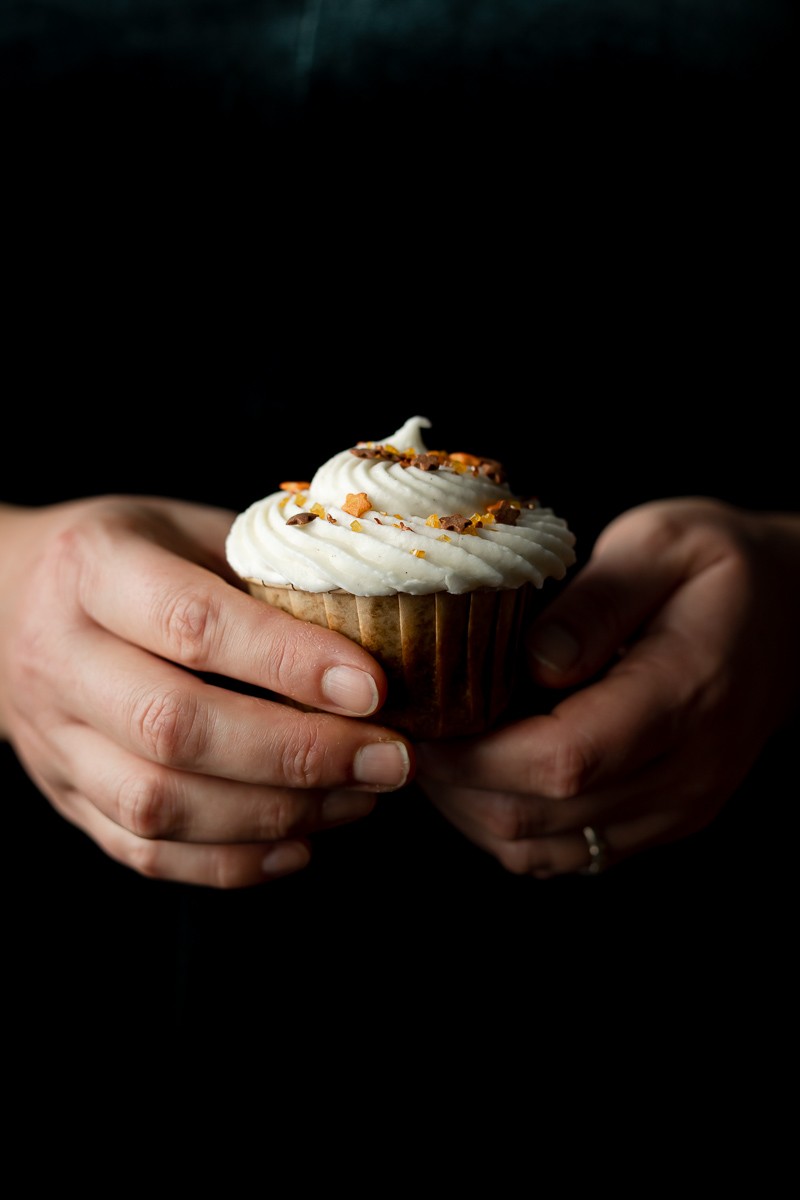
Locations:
{"points": [[450, 660]]}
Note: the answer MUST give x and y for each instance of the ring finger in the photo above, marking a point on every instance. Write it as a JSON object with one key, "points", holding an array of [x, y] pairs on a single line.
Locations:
{"points": [[589, 850]]}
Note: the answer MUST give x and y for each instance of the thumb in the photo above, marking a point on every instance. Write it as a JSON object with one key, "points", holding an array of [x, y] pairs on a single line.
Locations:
{"points": [[588, 624]]}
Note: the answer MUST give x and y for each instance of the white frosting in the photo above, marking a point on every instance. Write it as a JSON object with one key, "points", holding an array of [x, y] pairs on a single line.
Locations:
{"points": [[391, 548]]}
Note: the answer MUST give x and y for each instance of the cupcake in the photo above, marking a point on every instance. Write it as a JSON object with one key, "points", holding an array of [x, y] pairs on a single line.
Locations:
{"points": [[424, 557]]}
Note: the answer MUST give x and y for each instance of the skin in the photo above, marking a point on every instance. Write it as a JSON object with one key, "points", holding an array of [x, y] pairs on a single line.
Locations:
{"points": [[676, 658], [114, 612], [681, 641]]}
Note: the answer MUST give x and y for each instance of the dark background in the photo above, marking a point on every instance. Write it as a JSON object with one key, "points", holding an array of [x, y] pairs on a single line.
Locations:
{"points": [[559, 230], [570, 218]]}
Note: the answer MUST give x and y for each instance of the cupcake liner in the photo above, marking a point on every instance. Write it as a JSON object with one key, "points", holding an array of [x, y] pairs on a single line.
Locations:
{"points": [[450, 660]]}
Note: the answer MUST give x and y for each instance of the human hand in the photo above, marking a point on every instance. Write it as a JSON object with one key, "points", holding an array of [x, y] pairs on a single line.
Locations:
{"points": [[111, 612], [681, 638]]}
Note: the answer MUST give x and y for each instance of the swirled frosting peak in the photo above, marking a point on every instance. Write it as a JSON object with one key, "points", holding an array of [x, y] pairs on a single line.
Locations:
{"points": [[393, 516]]}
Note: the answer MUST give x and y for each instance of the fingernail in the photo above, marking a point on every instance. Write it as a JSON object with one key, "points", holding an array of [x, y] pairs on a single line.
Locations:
{"points": [[555, 647], [284, 857], [342, 805], [349, 688], [384, 764]]}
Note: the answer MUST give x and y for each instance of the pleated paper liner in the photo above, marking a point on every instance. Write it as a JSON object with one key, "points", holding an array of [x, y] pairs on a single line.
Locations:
{"points": [[450, 659]]}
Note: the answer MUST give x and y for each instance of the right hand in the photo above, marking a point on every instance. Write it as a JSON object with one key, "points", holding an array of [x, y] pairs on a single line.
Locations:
{"points": [[110, 609], [676, 650]]}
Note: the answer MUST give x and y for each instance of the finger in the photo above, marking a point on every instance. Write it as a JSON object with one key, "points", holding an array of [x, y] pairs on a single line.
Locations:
{"points": [[590, 620], [590, 851], [604, 732], [224, 866], [561, 853], [169, 716], [188, 614], [154, 802]]}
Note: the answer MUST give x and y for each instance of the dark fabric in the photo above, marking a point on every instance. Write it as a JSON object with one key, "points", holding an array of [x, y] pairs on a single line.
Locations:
{"points": [[300, 207], [242, 235]]}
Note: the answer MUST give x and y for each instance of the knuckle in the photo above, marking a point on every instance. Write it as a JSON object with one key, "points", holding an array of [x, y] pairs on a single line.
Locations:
{"points": [[146, 859], [504, 818], [513, 857], [226, 873], [284, 665], [190, 620], [168, 725], [280, 819], [305, 757], [533, 858], [564, 770], [143, 806], [225, 869]]}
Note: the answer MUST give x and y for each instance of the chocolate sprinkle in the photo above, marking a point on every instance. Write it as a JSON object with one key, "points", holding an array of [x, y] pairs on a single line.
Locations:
{"points": [[455, 523]]}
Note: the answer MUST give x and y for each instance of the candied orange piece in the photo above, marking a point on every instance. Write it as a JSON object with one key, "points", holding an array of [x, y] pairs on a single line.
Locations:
{"points": [[357, 503]]}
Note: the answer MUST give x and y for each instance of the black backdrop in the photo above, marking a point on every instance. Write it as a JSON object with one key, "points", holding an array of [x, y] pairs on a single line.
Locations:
{"points": [[240, 236]]}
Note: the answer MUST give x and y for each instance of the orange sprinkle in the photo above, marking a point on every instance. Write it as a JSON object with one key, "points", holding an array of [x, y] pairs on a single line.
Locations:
{"points": [[357, 503], [498, 504], [292, 485]]}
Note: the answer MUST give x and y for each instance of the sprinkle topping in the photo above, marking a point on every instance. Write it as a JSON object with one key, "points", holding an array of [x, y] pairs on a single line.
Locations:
{"points": [[501, 512], [432, 460], [393, 516], [357, 503]]}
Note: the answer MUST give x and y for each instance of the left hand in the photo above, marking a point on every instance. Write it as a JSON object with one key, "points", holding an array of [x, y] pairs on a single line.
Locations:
{"points": [[680, 637]]}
